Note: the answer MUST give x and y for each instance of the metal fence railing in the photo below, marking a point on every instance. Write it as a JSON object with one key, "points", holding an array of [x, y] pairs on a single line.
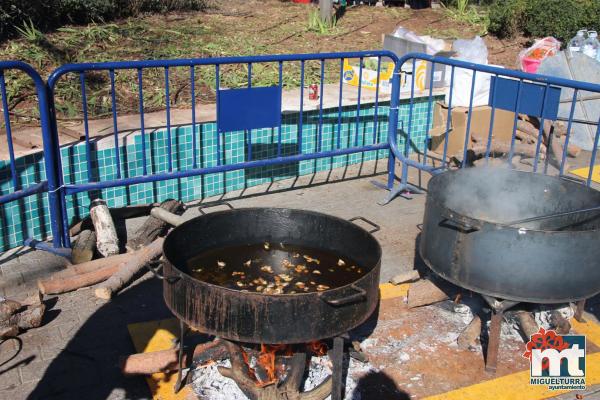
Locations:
{"points": [[546, 99], [252, 129], [247, 109], [18, 190]]}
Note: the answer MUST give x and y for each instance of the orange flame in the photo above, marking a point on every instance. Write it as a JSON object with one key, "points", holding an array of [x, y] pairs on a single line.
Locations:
{"points": [[267, 360], [317, 347]]}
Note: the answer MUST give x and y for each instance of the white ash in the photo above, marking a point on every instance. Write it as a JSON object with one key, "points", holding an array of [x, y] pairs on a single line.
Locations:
{"points": [[464, 312], [542, 317], [209, 384], [368, 343], [510, 325], [320, 369]]}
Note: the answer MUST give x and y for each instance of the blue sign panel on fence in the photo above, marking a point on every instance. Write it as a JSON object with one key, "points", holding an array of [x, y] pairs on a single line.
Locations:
{"points": [[531, 100], [257, 107]]}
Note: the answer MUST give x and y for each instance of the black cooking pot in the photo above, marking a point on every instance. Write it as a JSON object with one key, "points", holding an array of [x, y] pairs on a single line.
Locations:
{"points": [[467, 237], [265, 318]]}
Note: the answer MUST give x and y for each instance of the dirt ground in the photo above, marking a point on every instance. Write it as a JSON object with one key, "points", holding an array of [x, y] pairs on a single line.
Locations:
{"points": [[226, 28]]}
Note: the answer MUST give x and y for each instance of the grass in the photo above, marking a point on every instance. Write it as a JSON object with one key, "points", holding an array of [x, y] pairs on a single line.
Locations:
{"points": [[471, 15], [148, 38], [273, 27], [316, 24]]}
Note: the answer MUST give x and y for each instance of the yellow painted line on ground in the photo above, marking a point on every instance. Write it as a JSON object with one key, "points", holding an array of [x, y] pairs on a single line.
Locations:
{"points": [[590, 329], [155, 336], [159, 335], [516, 386], [584, 172], [389, 291]]}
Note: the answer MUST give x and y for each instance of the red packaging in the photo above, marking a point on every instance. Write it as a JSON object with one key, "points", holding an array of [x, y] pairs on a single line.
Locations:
{"points": [[313, 92]]}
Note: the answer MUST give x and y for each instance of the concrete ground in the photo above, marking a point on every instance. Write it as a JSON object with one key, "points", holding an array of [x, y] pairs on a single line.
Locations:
{"points": [[75, 353]]}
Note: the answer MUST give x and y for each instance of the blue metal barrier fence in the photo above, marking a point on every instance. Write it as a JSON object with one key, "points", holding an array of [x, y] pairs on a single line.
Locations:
{"points": [[49, 185], [547, 98], [236, 109], [249, 108]]}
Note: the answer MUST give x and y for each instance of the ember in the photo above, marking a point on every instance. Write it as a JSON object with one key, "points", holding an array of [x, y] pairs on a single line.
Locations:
{"points": [[265, 371], [318, 348]]}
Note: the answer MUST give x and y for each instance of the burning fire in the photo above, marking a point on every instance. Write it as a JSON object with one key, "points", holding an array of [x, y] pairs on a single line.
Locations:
{"points": [[317, 347], [266, 361]]}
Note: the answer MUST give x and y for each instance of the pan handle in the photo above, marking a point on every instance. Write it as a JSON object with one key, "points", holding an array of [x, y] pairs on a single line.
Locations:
{"points": [[373, 224], [157, 274], [225, 203], [359, 295], [459, 223], [572, 179]]}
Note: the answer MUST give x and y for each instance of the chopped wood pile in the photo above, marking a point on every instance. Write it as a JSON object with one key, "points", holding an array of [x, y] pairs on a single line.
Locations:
{"points": [[553, 137], [99, 257], [16, 316]]}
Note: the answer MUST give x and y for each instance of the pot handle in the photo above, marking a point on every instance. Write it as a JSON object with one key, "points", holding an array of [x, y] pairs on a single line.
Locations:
{"points": [[225, 203], [154, 270], [359, 295], [573, 179], [373, 224], [460, 224]]}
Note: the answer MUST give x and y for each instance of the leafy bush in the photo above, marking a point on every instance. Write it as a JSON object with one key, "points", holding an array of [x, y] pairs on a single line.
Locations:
{"points": [[540, 18], [506, 17], [50, 14], [559, 18]]}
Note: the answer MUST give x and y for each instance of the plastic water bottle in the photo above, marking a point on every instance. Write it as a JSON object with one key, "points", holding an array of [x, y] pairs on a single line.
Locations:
{"points": [[576, 43], [590, 46]]}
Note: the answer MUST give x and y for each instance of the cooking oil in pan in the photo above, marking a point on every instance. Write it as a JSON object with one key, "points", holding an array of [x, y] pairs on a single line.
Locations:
{"points": [[274, 268]]}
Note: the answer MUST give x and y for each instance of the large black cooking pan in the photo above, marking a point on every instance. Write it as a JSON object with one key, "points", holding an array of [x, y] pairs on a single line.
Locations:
{"points": [[263, 318], [469, 239]]}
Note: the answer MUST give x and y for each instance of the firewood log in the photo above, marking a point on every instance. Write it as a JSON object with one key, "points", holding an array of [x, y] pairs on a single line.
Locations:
{"points": [[527, 324], [7, 331], [525, 137], [83, 247], [106, 233], [167, 360], [556, 148], [117, 213], [8, 308], [409, 276], [468, 337], [34, 299], [125, 273], [154, 227], [527, 150], [93, 265], [62, 284], [29, 318], [560, 324], [424, 292], [528, 128]]}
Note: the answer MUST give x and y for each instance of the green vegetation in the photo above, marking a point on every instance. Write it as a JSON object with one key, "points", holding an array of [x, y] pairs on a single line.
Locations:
{"points": [[316, 24], [46, 15], [152, 37], [463, 11], [540, 18]]}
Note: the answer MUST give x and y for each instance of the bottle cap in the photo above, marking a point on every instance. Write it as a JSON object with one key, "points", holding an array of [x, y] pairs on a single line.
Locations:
{"points": [[593, 34], [581, 32]]}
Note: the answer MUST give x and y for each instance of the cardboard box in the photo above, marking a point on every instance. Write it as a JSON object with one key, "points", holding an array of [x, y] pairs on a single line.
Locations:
{"points": [[401, 47], [369, 75], [480, 127]]}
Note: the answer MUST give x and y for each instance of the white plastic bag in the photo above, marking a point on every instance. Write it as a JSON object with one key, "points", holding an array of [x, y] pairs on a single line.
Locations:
{"points": [[433, 45], [474, 51]]}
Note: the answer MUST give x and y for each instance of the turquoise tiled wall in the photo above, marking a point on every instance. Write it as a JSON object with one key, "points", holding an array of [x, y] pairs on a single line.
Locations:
{"points": [[30, 218]]}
